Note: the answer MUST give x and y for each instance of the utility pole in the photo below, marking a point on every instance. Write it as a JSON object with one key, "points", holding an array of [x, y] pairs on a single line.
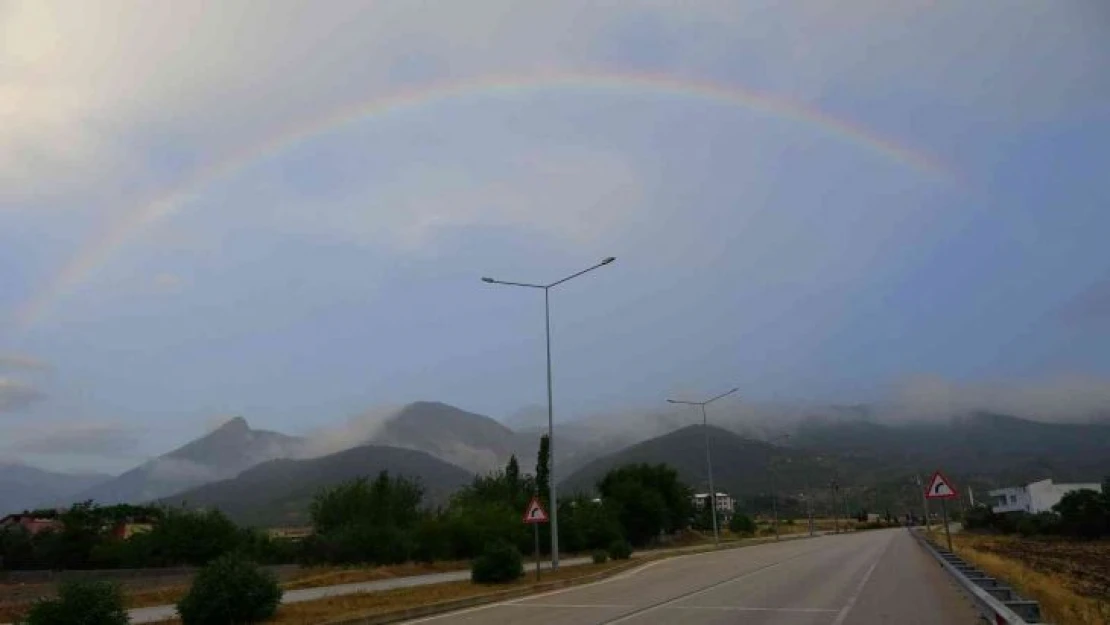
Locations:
{"points": [[924, 501], [836, 519]]}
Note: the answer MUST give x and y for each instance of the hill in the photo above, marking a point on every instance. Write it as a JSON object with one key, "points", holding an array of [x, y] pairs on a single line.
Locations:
{"points": [[990, 448], [220, 454], [23, 487], [741, 466], [278, 492]]}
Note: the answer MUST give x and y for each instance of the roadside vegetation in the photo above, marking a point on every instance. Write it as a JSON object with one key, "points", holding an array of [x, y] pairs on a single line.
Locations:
{"points": [[1060, 558]]}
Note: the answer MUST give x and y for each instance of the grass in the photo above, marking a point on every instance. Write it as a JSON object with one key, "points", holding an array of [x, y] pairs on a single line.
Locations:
{"points": [[1060, 603]]}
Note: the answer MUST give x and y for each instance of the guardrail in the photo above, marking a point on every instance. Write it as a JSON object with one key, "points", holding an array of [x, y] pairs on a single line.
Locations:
{"points": [[997, 602]]}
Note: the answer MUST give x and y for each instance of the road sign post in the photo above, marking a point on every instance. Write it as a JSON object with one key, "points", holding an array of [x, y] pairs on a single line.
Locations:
{"points": [[534, 515], [941, 488], [536, 533]]}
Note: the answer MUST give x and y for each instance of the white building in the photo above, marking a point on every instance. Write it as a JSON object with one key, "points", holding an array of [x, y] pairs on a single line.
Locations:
{"points": [[1034, 498], [725, 504]]}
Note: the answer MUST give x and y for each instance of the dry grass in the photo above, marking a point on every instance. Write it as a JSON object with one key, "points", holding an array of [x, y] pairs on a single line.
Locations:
{"points": [[1060, 603]]}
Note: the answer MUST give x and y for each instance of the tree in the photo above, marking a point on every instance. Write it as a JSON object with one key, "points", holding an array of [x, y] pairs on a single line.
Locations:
{"points": [[512, 475], [543, 469], [1084, 513], [387, 501], [647, 499]]}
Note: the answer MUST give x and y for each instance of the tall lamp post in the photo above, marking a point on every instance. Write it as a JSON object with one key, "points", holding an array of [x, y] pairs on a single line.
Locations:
{"points": [[708, 458], [774, 490], [550, 409]]}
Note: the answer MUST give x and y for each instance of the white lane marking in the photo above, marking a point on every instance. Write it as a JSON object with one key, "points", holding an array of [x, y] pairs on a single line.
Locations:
{"points": [[734, 608], [710, 588], [520, 600], [859, 588], [548, 606]]}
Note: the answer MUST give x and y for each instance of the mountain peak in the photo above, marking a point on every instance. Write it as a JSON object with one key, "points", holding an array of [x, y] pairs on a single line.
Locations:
{"points": [[234, 425]]}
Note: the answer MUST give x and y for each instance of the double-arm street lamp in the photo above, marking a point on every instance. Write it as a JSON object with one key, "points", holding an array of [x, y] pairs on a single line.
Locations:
{"points": [[708, 458], [550, 410]]}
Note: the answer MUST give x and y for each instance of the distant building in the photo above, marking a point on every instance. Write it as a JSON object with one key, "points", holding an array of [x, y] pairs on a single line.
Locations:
{"points": [[1034, 498], [290, 533], [726, 505], [127, 530], [31, 523]]}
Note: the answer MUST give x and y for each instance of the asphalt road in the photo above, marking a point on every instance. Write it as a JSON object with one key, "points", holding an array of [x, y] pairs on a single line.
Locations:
{"points": [[869, 577]]}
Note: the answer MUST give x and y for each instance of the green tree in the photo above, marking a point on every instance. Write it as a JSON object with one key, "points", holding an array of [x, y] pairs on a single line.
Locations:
{"points": [[512, 476], [1084, 513], [647, 499], [387, 501], [543, 469]]}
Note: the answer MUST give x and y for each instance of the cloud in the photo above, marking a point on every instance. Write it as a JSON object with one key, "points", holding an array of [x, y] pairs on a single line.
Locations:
{"points": [[16, 395], [1063, 399], [23, 362], [76, 438], [357, 430], [168, 282]]}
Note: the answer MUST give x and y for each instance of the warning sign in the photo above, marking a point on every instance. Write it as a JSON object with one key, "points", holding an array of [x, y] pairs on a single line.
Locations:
{"points": [[535, 513], [940, 488]]}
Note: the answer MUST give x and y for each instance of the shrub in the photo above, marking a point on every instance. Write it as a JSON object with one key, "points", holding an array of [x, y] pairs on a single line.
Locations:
{"points": [[600, 556], [230, 590], [86, 603], [499, 563], [741, 524], [620, 550]]}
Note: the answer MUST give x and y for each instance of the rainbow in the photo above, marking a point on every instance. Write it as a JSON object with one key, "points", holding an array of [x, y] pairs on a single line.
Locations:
{"points": [[101, 249]]}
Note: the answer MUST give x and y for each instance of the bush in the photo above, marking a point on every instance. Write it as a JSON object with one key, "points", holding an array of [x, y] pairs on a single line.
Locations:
{"points": [[600, 556], [620, 550], [84, 603], [499, 563], [741, 524], [230, 590]]}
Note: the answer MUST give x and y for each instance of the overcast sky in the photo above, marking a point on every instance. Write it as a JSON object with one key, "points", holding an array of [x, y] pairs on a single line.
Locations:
{"points": [[282, 210]]}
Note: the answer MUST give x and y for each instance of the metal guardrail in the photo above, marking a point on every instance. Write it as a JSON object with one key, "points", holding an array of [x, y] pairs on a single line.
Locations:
{"points": [[996, 601]]}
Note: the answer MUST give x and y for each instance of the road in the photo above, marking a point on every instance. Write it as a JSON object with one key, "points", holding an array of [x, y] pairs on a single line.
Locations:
{"points": [[865, 578], [155, 614]]}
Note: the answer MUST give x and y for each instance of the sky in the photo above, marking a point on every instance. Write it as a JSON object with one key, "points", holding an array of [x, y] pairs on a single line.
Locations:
{"points": [[282, 210]]}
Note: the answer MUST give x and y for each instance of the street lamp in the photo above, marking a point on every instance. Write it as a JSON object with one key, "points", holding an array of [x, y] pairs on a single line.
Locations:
{"points": [[774, 491], [550, 409], [708, 458]]}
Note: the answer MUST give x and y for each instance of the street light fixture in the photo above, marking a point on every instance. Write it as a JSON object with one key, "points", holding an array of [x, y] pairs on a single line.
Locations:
{"points": [[550, 409], [708, 458]]}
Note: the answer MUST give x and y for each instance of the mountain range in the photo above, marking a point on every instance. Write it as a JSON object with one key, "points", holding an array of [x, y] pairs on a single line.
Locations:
{"points": [[23, 487], [278, 492], [263, 477], [220, 454]]}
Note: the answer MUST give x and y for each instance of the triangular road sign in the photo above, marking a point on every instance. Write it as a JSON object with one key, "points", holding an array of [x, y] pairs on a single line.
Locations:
{"points": [[535, 513], [940, 488]]}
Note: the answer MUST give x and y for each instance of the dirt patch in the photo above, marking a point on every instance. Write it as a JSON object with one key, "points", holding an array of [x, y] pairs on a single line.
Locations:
{"points": [[1084, 566]]}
